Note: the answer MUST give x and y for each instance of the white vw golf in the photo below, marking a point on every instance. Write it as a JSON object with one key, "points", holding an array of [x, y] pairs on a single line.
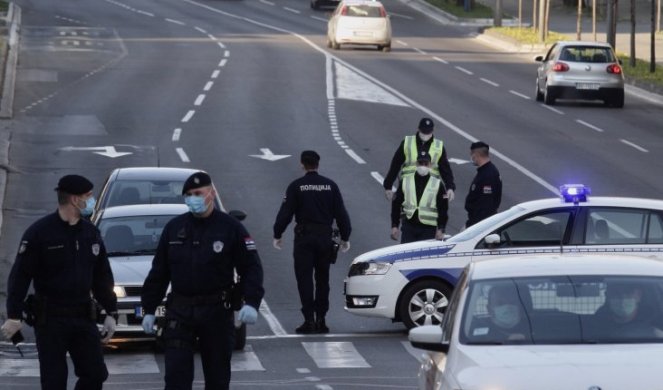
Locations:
{"points": [[413, 282]]}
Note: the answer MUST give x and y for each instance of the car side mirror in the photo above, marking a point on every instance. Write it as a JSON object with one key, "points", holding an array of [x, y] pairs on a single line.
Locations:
{"points": [[237, 214], [492, 240], [538, 58], [428, 337]]}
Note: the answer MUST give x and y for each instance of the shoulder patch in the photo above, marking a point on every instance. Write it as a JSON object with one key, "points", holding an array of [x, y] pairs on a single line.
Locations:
{"points": [[250, 244]]}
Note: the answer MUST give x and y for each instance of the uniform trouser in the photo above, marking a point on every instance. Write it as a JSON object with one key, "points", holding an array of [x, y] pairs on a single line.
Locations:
{"points": [[312, 255], [80, 337], [411, 232], [213, 325]]}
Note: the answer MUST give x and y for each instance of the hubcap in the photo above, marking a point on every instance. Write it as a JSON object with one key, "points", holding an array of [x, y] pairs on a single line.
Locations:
{"points": [[427, 306]]}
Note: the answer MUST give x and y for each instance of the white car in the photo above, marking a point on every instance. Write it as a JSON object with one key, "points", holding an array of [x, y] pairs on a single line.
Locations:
{"points": [[412, 282], [359, 22], [549, 322]]}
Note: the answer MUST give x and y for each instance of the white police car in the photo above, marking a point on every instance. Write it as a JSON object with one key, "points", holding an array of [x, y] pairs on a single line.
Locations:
{"points": [[412, 282], [549, 322]]}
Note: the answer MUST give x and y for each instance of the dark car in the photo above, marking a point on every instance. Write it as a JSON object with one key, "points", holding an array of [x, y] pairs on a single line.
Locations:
{"points": [[315, 4]]}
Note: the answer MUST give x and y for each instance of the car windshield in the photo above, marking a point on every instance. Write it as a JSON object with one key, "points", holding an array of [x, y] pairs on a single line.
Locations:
{"points": [[564, 310], [365, 11], [490, 222], [136, 235], [593, 54], [128, 192]]}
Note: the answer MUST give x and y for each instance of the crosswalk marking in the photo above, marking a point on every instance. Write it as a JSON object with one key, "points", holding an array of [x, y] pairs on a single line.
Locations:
{"points": [[335, 354], [131, 364], [19, 367], [246, 360]]}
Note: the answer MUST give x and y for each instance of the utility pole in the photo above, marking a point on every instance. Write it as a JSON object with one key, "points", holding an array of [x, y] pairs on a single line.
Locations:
{"points": [[579, 21], [611, 21], [542, 21], [594, 19], [652, 60], [497, 22]]}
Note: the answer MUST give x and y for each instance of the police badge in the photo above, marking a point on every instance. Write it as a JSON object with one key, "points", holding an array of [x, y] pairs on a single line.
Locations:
{"points": [[95, 249], [23, 247], [217, 246]]}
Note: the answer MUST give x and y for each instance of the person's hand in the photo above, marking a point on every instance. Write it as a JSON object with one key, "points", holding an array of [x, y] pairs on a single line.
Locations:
{"points": [[389, 194], [450, 195], [278, 243], [108, 329], [248, 314], [439, 234], [148, 323], [345, 246], [395, 233], [10, 327]]}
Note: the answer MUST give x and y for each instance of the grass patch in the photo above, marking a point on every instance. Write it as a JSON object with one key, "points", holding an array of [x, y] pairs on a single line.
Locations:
{"points": [[4, 6], [478, 11], [640, 73], [528, 35]]}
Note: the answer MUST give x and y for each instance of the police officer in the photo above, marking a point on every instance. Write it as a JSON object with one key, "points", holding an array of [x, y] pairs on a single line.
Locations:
{"points": [[405, 158], [485, 193], [422, 201], [197, 254], [65, 258], [315, 201]]}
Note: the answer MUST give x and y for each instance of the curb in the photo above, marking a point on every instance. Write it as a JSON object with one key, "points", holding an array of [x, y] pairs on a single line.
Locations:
{"points": [[7, 99], [448, 19]]}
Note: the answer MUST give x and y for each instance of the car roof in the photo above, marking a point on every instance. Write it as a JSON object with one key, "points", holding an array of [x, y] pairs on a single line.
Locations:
{"points": [[607, 201], [565, 264], [363, 2], [583, 43], [144, 209], [154, 173]]}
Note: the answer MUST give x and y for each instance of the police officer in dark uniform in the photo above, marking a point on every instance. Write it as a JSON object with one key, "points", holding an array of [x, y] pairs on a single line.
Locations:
{"points": [[421, 202], [315, 201], [198, 254], [65, 258], [405, 157], [485, 194]]}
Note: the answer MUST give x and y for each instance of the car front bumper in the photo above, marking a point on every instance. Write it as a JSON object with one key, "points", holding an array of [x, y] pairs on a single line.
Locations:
{"points": [[373, 295]]}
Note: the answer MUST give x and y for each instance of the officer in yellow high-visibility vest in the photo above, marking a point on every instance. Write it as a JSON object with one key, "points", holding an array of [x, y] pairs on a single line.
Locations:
{"points": [[404, 160], [420, 204]]}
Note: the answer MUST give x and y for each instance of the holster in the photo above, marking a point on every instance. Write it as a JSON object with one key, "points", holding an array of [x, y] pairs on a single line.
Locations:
{"points": [[335, 246], [236, 297]]}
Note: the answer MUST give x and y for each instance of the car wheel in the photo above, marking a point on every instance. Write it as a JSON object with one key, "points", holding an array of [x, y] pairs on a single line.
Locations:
{"points": [[386, 48], [329, 43], [335, 46], [423, 303], [548, 98], [539, 94], [240, 338], [618, 99]]}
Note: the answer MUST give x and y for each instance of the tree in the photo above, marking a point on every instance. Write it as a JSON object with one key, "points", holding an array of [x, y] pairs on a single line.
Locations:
{"points": [[631, 60]]}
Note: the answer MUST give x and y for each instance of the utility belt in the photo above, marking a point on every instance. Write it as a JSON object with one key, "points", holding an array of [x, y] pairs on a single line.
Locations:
{"points": [[229, 299], [303, 229], [39, 309]]}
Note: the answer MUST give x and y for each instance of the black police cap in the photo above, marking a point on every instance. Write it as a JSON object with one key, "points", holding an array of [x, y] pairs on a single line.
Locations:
{"points": [[74, 185], [196, 180], [426, 125], [479, 144], [310, 157], [423, 157]]}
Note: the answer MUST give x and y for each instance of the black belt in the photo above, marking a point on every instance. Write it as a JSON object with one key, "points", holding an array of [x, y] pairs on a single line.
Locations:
{"points": [[201, 300], [78, 311], [313, 228]]}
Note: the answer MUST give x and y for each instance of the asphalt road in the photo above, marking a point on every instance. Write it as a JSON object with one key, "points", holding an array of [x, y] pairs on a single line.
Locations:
{"points": [[213, 84]]}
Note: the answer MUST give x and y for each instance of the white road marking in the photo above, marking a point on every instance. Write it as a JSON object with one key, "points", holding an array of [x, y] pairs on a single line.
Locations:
{"points": [[266, 2], [553, 109], [188, 116], [324, 387], [176, 134], [438, 59], [271, 319], [19, 367], [418, 354], [402, 43], [212, 37], [335, 354], [303, 371], [215, 74], [464, 70], [320, 19], [419, 50], [202, 30], [223, 62], [519, 94], [353, 86], [182, 155], [631, 144], [221, 45], [175, 22], [145, 13], [294, 11], [494, 84], [208, 86], [378, 177], [199, 100], [141, 363], [401, 16], [246, 360], [354, 156], [226, 54], [600, 130]]}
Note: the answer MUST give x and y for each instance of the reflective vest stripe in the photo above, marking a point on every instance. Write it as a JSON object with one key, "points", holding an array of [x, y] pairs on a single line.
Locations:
{"points": [[410, 150], [427, 205]]}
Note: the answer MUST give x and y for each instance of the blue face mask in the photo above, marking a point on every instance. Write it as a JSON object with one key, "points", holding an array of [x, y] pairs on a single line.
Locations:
{"points": [[89, 207], [196, 204]]}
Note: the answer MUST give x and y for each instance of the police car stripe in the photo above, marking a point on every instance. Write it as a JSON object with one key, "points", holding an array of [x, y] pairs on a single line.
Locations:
{"points": [[417, 254], [449, 274]]}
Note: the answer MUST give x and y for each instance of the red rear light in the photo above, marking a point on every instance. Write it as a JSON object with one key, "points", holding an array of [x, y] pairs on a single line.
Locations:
{"points": [[560, 67], [383, 13], [614, 69], [344, 11]]}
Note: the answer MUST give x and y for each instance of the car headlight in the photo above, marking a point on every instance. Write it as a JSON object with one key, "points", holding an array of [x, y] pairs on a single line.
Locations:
{"points": [[369, 268], [119, 291]]}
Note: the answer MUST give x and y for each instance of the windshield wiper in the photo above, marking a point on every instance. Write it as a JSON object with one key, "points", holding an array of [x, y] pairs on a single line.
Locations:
{"points": [[120, 253], [145, 251]]}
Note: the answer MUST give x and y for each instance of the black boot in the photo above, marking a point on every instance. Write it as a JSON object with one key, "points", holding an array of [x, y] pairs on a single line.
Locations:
{"points": [[320, 326], [307, 327]]}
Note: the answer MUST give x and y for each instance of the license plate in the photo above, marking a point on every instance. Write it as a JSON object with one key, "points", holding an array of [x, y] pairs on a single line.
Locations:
{"points": [[590, 86], [160, 312], [363, 34]]}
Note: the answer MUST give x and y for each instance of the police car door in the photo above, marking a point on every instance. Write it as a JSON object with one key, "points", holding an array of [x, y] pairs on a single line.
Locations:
{"points": [[542, 231], [623, 230]]}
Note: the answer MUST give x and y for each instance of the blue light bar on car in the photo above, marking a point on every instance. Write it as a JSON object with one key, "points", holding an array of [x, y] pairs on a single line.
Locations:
{"points": [[574, 193]]}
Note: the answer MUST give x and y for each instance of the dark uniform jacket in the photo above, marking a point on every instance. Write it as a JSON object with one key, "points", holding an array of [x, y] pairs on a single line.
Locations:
{"points": [[313, 199], [420, 185], [66, 263], [399, 158], [485, 194], [198, 256]]}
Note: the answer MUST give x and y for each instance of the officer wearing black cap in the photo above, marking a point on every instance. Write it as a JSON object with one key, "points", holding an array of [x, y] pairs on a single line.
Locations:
{"points": [[421, 203], [197, 255], [63, 255], [405, 157], [315, 201], [485, 194]]}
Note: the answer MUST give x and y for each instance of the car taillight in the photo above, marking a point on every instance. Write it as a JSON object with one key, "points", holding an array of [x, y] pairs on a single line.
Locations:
{"points": [[383, 13], [614, 69], [344, 11], [560, 67]]}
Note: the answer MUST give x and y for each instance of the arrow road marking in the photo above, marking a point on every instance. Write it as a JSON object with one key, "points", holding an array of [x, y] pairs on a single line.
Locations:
{"points": [[458, 161], [108, 151], [268, 155]]}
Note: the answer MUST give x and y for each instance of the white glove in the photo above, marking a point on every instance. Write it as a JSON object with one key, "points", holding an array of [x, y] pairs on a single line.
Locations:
{"points": [[148, 323], [345, 246], [450, 195], [108, 329], [278, 243], [389, 194], [248, 314], [395, 233], [10, 327], [439, 234]]}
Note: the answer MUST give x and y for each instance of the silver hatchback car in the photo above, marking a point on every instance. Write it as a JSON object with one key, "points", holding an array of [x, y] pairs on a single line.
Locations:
{"points": [[580, 70]]}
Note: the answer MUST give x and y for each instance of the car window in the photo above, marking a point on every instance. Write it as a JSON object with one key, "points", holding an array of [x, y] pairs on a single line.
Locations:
{"points": [[552, 52], [452, 309], [363, 11], [655, 235], [564, 310], [545, 228], [617, 226], [477, 229], [129, 192], [591, 54], [132, 235]]}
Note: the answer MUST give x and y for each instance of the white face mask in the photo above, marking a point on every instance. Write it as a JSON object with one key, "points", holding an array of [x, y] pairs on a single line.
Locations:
{"points": [[425, 137], [506, 316], [423, 170], [624, 307]]}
